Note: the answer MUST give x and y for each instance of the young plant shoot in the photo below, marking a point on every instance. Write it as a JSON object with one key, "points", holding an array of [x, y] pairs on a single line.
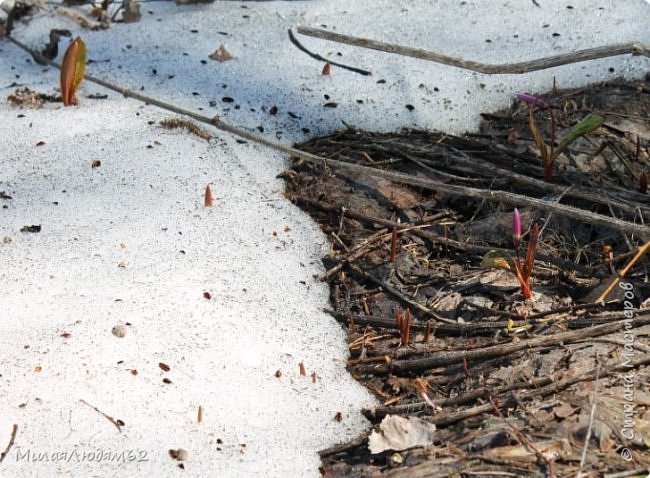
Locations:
{"points": [[550, 153], [521, 269], [72, 70]]}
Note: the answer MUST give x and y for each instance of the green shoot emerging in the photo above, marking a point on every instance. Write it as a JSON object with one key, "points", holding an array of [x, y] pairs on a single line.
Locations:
{"points": [[550, 153]]}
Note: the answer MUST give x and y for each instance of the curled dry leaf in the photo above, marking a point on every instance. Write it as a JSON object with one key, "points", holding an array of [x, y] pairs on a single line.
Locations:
{"points": [[102, 16], [399, 433], [221, 54], [564, 410]]}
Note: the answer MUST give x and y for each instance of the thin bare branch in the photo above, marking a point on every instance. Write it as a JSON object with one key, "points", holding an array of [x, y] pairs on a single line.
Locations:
{"points": [[316, 56], [634, 48], [107, 417], [12, 439]]}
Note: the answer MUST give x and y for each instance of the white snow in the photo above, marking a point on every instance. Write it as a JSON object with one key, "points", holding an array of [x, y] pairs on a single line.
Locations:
{"points": [[131, 242]]}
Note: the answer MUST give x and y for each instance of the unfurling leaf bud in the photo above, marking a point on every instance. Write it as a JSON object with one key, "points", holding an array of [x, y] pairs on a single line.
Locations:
{"points": [[72, 70]]}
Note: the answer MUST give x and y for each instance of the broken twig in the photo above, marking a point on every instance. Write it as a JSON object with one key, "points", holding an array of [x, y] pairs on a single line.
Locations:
{"points": [[12, 439], [316, 56], [108, 417]]}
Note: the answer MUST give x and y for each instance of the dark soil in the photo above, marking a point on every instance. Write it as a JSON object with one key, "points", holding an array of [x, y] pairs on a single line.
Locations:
{"points": [[514, 386]]}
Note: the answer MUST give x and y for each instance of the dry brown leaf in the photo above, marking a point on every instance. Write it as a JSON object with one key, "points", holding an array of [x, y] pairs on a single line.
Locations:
{"points": [[221, 54], [550, 449], [402, 197], [399, 383], [399, 433], [565, 409]]}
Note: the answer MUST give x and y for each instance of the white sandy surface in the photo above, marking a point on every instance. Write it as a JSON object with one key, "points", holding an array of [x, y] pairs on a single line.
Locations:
{"points": [[131, 242]]}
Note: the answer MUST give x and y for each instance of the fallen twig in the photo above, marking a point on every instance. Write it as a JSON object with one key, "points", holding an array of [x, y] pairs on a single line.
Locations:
{"points": [[523, 439], [635, 48], [538, 387], [108, 417], [316, 56], [452, 357], [12, 439], [361, 249], [356, 253], [400, 295]]}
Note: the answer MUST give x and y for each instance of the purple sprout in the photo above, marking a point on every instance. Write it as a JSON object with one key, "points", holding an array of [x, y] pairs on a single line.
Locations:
{"points": [[532, 100]]}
